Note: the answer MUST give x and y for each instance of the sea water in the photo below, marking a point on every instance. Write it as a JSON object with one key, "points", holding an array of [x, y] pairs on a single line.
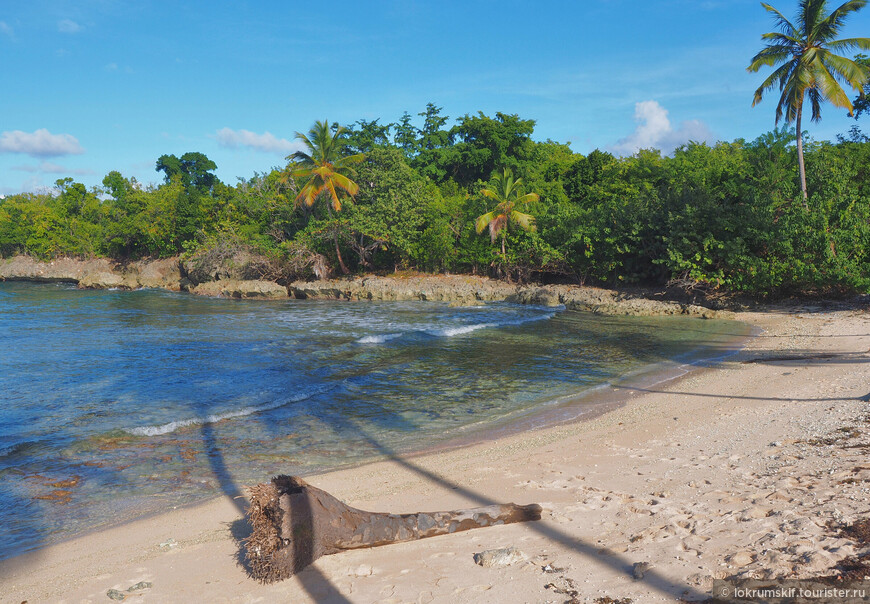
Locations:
{"points": [[116, 404]]}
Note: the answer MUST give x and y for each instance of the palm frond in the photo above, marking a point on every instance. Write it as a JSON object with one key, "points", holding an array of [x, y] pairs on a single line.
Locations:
{"points": [[526, 221], [778, 77], [815, 97], [830, 89], [784, 24], [496, 225], [300, 157], [483, 221], [301, 172], [351, 160], [527, 198], [780, 39], [345, 183], [769, 56], [845, 70], [336, 202], [830, 26], [809, 16], [849, 44]]}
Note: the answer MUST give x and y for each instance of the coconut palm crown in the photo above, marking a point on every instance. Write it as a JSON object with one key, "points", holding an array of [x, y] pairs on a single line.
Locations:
{"points": [[807, 66], [507, 194], [326, 171]]}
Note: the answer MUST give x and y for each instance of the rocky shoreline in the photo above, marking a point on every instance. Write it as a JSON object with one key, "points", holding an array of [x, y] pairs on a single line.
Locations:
{"points": [[171, 274]]}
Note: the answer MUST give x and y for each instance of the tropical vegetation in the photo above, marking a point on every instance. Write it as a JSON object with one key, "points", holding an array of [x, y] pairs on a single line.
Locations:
{"points": [[506, 193], [725, 217], [323, 172]]}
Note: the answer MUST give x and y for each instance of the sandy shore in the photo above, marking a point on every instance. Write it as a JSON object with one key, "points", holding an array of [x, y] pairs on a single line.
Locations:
{"points": [[735, 470]]}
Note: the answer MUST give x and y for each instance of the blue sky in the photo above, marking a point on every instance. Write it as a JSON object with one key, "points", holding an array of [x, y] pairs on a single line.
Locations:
{"points": [[90, 86]]}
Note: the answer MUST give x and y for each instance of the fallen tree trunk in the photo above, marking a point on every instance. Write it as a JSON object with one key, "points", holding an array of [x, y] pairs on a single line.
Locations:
{"points": [[295, 523]]}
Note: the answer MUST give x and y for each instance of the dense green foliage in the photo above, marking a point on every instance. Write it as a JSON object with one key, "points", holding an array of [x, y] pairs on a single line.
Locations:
{"points": [[728, 215]]}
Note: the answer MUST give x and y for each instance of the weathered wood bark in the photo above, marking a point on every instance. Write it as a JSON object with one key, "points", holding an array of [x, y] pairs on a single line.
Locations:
{"points": [[295, 523]]}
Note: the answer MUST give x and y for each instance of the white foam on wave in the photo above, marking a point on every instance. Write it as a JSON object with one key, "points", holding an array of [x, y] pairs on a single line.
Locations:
{"points": [[463, 329], [379, 339], [448, 332], [454, 330], [216, 417]]}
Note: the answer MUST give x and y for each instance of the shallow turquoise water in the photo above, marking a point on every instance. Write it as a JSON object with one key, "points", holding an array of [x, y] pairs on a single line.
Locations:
{"points": [[116, 404]]}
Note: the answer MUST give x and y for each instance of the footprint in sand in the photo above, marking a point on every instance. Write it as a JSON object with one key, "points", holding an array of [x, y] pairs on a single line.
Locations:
{"points": [[560, 518]]}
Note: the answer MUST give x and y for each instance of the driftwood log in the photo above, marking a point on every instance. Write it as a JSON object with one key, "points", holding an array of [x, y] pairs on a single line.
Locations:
{"points": [[295, 523]]}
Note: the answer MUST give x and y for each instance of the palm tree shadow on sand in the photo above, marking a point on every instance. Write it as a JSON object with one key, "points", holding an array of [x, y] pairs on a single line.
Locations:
{"points": [[320, 588]]}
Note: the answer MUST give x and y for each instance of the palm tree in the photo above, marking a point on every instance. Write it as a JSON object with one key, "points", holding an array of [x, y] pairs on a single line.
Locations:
{"points": [[808, 65], [325, 170], [506, 193]]}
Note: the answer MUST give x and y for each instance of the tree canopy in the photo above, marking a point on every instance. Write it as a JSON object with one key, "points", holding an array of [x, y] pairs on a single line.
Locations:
{"points": [[724, 216]]}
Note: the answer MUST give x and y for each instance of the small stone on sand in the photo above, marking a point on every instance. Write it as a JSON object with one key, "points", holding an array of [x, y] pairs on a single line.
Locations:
{"points": [[639, 569], [499, 558], [741, 559]]}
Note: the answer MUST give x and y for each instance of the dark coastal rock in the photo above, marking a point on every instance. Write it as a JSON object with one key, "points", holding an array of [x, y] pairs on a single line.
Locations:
{"points": [[464, 289], [230, 278], [96, 273], [164, 273], [107, 279], [538, 296], [231, 288], [441, 288], [61, 270], [234, 264]]}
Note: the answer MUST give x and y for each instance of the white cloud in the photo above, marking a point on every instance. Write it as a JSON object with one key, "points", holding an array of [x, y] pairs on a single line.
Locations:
{"points": [[268, 142], [40, 143], [655, 131], [6, 29], [31, 185], [52, 168], [68, 26]]}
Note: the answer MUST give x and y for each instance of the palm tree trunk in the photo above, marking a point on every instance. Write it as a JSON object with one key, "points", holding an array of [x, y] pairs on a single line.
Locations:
{"points": [[335, 238], [800, 152], [295, 523], [338, 253]]}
